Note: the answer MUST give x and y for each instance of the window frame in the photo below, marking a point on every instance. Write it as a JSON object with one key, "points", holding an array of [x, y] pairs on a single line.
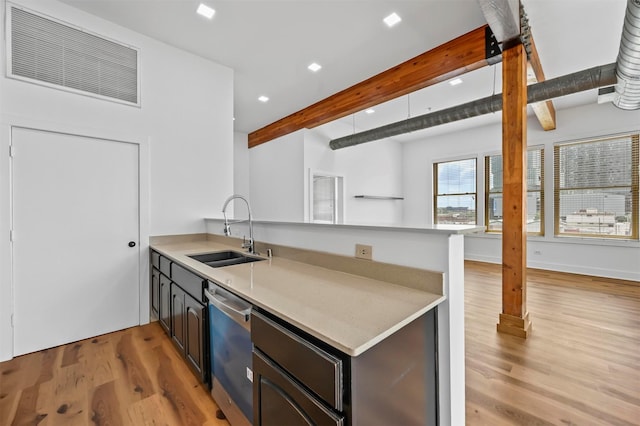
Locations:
{"points": [[435, 187], [338, 197], [487, 191], [634, 187]]}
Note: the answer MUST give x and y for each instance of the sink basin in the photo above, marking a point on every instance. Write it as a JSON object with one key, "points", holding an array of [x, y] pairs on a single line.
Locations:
{"points": [[218, 259]]}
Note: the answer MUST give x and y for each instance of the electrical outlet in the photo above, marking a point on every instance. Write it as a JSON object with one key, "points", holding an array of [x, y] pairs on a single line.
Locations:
{"points": [[363, 251]]}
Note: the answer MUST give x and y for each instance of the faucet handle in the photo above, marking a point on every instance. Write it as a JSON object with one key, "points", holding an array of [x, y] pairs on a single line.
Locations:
{"points": [[247, 244]]}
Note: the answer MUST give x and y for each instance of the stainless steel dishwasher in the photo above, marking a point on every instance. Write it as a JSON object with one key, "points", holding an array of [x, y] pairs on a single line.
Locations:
{"points": [[231, 365]]}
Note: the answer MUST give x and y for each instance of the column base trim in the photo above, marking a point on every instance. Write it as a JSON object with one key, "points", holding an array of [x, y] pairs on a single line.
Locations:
{"points": [[515, 326]]}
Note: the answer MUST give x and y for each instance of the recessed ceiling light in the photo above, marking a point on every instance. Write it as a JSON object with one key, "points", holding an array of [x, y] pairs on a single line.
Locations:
{"points": [[315, 67], [370, 111], [205, 11], [392, 19], [263, 98], [455, 81]]}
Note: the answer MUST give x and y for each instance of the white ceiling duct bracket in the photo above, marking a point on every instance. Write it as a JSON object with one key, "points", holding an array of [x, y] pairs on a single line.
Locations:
{"points": [[493, 54], [606, 94], [627, 94], [503, 18]]}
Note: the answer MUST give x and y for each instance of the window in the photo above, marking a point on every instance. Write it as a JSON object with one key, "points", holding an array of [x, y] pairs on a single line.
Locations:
{"points": [[455, 192], [596, 188], [327, 199], [535, 192]]}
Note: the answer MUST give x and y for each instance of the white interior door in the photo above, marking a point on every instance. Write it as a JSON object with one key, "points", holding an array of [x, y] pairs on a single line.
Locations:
{"points": [[75, 209]]}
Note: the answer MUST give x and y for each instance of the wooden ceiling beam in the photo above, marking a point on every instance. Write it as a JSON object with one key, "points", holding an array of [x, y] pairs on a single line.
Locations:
{"points": [[544, 111], [465, 53]]}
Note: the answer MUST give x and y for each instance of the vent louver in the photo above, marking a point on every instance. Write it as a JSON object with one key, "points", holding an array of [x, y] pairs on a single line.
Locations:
{"points": [[49, 52]]}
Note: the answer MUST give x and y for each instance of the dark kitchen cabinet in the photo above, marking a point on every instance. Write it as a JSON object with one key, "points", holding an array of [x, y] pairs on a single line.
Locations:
{"points": [[178, 316], [177, 295], [164, 304], [155, 292], [195, 325], [188, 329], [295, 382], [279, 400], [299, 380]]}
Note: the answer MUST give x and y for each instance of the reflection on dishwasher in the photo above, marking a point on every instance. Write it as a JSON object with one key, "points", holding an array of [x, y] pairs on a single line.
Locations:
{"points": [[231, 369]]}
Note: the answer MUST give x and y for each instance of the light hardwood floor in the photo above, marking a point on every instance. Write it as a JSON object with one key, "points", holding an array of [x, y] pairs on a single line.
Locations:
{"points": [[131, 377], [581, 365]]}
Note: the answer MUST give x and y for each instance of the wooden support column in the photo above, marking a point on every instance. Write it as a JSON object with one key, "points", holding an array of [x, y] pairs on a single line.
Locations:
{"points": [[514, 318]]}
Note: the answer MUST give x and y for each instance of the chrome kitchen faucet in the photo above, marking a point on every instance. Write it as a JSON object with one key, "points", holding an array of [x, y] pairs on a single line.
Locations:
{"points": [[227, 223]]}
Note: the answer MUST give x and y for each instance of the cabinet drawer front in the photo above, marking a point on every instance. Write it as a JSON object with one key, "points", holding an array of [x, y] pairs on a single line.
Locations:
{"points": [[278, 400], [190, 282], [165, 266], [317, 369], [155, 259]]}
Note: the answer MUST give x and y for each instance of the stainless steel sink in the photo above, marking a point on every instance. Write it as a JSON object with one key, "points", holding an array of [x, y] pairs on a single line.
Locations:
{"points": [[218, 259]]}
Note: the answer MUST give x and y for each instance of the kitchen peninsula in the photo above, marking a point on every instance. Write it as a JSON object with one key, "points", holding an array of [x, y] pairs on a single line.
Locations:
{"points": [[351, 316]]}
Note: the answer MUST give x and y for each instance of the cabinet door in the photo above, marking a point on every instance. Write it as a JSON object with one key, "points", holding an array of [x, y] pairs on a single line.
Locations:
{"points": [[320, 371], [165, 303], [155, 292], [194, 335], [278, 400], [177, 316]]}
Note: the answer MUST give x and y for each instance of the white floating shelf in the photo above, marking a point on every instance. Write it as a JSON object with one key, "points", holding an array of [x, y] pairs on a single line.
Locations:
{"points": [[378, 197]]}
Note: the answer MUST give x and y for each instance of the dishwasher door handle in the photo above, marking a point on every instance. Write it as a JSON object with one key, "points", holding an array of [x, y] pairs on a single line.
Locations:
{"points": [[219, 298]]}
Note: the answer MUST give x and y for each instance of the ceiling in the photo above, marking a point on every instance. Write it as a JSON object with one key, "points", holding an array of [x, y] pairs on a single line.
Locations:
{"points": [[269, 44]]}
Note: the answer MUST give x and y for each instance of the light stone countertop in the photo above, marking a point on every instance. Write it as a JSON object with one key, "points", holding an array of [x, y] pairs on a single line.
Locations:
{"points": [[349, 312], [443, 229]]}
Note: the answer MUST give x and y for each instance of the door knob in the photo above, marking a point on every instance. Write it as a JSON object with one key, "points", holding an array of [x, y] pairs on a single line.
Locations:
{"points": [[132, 243]]}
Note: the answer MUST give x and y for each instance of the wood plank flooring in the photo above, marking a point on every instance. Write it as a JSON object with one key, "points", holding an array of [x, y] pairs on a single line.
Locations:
{"points": [[131, 377], [581, 365]]}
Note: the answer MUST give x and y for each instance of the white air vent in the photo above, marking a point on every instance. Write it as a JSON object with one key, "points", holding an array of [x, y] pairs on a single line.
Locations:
{"points": [[45, 51]]}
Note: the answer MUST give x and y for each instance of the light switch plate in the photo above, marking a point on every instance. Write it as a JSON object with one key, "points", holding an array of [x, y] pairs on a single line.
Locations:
{"points": [[364, 251]]}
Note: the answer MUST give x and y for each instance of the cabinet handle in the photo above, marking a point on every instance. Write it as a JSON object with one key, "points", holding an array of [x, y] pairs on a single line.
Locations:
{"points": [[132, 243]]}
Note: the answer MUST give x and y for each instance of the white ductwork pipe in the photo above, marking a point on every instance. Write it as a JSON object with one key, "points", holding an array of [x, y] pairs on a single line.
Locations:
{"points": [[628, 63]]}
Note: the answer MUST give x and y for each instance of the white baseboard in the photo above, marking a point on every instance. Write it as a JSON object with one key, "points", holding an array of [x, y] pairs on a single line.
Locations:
{"points": [[559, 267]]}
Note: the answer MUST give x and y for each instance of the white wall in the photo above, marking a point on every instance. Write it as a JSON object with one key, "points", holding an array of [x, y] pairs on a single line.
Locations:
{"points": [[278, 172], [377, 168], [617, 259], [418, 159], [371, 169], [186, 114], [276, 176], [185, 120], [241, 165]]}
